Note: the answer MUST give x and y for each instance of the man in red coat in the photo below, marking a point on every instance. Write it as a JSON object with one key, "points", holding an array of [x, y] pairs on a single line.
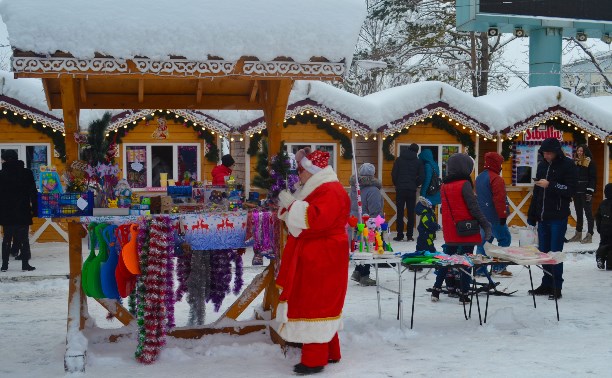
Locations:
{"points": [[313, 274]]}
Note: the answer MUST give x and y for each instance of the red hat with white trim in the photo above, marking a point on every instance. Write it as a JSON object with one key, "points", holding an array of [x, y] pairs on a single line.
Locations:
{"points": [[315, 161]]}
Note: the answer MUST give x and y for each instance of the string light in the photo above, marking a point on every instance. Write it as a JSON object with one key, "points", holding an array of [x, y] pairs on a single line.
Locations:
{"points": [[4, 112], [374, 137], [241, 139]]}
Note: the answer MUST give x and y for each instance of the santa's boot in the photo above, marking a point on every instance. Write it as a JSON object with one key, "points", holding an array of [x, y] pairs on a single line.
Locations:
{"points": [[576, 238]]}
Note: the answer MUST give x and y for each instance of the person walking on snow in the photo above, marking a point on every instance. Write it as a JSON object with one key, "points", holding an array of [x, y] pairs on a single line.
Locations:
{"points": [[492, 199], [552, 192], [407, 176], [313, 268], [603, 220], [18, 204], [583, 199]]}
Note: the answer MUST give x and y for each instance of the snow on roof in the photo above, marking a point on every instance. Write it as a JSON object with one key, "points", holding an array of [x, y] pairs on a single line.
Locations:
{"points": [[194, 29], [394, 108]]}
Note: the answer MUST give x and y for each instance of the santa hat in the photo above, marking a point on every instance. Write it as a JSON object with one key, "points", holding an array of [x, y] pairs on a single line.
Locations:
{"points": [[315, 161]]}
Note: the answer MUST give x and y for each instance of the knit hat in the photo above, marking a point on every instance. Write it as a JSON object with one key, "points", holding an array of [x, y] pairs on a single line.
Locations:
{"points": [[493, 161], [227, 160], [414, 147], [367, 169], [9, 155], [315, 161]]}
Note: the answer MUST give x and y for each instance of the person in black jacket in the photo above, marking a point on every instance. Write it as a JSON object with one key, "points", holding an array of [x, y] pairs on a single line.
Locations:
{"points": [[587, 178], [407, 175], [603, 219], [18, 202], [554, 187]]}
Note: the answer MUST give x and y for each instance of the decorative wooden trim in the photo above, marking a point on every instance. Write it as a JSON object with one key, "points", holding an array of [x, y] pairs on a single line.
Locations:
{"points": [[560, 113], [193, 116], [174, 67], [275, 68], [68, 65]]}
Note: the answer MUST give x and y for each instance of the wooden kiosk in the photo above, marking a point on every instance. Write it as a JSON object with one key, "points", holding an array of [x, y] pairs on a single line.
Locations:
{"points": [[127, 82]]}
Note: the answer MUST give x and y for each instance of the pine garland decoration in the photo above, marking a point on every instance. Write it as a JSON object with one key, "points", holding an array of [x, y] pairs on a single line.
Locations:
{"points": [[59, 143], [439, 123], [142, 243], [97, 149], [254, 142], [211, 141], [336, 134]]}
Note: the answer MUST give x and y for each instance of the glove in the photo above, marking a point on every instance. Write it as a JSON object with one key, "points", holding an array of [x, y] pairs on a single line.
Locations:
{"points": [[281, 312], [502, 221], [532, 222], [588, 197], [488, 235], [285, 199]]}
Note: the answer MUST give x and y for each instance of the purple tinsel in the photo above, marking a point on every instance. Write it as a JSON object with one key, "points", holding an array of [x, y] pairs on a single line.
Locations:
{"points": [[183, 268], [238, 282], [280, 182], [221, 276]]}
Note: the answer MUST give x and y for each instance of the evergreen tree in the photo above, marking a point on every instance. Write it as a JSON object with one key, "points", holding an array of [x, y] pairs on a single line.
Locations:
{"points": [[99, 148], [262, 178]]}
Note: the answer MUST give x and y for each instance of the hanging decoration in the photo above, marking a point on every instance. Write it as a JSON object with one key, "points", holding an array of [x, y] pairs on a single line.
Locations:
{"points": [[221, 275], [161, 132], [156, 289], [254, 142], [198, 286], [137, 297], [265, 241]]}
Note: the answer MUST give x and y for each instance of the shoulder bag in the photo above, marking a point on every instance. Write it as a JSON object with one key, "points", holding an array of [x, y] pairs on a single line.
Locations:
{"points": [[464, 227]]}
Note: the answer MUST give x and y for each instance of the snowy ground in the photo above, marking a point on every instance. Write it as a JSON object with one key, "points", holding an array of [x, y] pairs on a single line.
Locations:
{"points": [[517, 340]]}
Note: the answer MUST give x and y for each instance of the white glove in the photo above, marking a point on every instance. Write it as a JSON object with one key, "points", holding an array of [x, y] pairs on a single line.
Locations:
{"points": [[281, 312], [285, 199]]}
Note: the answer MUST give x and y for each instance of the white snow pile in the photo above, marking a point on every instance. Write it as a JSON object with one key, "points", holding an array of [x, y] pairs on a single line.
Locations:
{"points": [[194, 29]]}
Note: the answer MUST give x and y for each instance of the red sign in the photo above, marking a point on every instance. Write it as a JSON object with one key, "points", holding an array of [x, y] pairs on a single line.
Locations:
{"points": [[539, 135]]}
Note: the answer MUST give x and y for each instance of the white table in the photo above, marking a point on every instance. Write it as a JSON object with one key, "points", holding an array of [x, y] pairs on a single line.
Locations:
{"points": [[398, 268]]}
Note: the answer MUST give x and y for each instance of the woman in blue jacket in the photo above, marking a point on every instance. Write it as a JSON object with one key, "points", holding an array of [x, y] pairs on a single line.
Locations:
{"points": [[431, 170]]}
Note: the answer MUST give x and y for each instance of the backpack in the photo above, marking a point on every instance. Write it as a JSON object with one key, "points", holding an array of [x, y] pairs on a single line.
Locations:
{"points": [[434, 184]]}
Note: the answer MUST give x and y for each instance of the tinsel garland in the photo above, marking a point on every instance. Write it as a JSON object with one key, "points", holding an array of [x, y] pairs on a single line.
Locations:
{"points": [[170, 298], [263, 235], [280, 176], [221, 276], [238, 281], [198, 286], [156, 287], [138, 296], [183, 266]]}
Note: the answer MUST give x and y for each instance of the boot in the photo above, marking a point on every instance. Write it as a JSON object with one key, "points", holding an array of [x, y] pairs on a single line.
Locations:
{"points": [[576, 238], [367, 281], [588, 239], [356, 276], [464, 298], [399, 237], [301, 369], [4, 267], [435, 294], [541, 290], [601, 263], [27, 268], [556, 293]]}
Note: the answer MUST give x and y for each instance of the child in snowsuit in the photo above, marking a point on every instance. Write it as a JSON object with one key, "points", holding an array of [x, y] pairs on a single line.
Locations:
{"points": [[427, 226], [603, 221]]}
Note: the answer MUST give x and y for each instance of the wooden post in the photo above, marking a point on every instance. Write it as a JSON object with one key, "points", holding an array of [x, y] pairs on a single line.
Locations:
{"points": [[77, 302], [274, 96]]}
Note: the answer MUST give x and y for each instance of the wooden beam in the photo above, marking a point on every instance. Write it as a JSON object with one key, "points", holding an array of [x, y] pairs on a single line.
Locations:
{"points": [[259, 283], [45, 83], [196, 333], [117, 310], [70, 105], [199, 91], [254, 90], [82, 90], [77, 302], [276, 97], [141, 91], [166, 101]]}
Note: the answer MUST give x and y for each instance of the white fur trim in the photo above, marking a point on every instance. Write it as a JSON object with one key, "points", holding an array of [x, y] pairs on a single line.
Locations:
{"points": [[307, 165], [326, 175], [315, 331], [296, 219], [281, 312]]}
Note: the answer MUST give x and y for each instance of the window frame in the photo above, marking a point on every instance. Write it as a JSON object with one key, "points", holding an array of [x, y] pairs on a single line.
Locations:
{"points": [[21, 148], [439, 145], [149, 168]]}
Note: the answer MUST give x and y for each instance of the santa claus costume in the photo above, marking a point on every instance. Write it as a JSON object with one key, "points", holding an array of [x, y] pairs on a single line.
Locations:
{"points": [[313, 273]]}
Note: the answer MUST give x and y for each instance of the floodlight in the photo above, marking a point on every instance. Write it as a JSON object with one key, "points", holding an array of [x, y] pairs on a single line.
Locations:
{"points": [[581, 36], [519, 32], [493, 32]]}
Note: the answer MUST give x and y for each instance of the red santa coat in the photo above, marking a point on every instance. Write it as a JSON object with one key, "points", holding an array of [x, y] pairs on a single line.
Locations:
{"points": [[313, 272]]}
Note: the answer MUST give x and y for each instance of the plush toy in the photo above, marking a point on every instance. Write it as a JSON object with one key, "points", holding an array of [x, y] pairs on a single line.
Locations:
{"points": [[112, 203]]}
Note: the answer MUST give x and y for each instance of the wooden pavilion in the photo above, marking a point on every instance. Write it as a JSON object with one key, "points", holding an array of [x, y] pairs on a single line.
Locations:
{"points": [[73, 82]]}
